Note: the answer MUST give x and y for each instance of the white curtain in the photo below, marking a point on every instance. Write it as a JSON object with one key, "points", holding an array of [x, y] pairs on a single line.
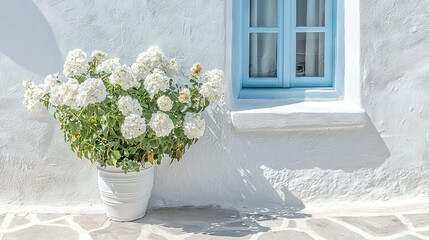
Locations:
{"points": [[263, 46], [315, 42]]}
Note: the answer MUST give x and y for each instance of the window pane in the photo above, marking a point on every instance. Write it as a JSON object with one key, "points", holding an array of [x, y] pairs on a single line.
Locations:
{"points": [[310, 13], [310, 54], [263, 55], [263, 13]]}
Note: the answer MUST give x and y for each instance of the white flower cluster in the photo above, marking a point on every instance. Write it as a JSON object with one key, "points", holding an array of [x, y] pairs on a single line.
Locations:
{"points": [[108, 66], [133, 126], [156, 81], [98, 56], [128, 106], [66, 94], [91, 91], [124, 77], [77, 95], [194, 125], [153, 59], [184, 95], [164, 103], [197, 69], [161, 124], [214, 86], [140, 70], [50, 81], [75, 64], [32, 97]]}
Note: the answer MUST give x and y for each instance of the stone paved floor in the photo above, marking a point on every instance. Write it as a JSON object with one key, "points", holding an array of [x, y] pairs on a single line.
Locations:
{"points": [[216, 223]]}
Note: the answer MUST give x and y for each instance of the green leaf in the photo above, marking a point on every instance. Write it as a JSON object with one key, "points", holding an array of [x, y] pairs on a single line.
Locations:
{"points": [[116, 154], [126, 153], [132, 150]]}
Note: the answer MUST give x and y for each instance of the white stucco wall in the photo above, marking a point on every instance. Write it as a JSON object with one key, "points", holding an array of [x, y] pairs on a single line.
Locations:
{"points": [[386, 159]]}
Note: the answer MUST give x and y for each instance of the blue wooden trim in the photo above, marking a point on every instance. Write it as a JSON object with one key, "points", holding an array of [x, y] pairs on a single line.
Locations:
{"points": [[245, 41], [288, 43], [280, 46], [300, 94], [236, 47]]}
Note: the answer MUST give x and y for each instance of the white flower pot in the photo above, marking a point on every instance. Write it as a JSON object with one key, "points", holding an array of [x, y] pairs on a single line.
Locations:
{"points": [[125, 196]]}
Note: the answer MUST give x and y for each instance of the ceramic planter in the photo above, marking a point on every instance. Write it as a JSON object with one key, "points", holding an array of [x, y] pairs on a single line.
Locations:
{"points": [[125, 196]]}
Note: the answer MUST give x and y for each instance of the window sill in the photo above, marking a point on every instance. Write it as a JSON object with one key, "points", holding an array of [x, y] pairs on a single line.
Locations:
{"points": [[303, 115]]}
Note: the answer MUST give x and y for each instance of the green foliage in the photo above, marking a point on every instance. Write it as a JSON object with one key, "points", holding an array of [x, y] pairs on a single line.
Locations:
{"points": [[94, 131]]}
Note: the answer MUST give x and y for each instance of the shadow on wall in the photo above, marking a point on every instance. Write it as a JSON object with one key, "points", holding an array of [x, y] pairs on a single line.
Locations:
{"points": [[264, 164], [27, 38]]}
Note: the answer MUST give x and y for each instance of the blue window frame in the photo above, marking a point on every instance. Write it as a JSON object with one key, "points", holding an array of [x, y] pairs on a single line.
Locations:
{"points": [[288, 49]]}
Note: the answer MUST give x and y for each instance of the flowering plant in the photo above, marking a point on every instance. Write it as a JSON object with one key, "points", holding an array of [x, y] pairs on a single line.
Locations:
{"points": [[125, 116]]}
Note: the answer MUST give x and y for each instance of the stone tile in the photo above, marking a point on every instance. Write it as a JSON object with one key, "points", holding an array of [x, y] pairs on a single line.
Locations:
{"points": [[332, 231], [1, 218], [205, 220], [118, 231], [265, 220], [61, 221], [424, 233], [408, 237], [291, 224], [288, 234], [378, 226], [154, 236], [49, 216], [18, 221], [189, 217], [418, 220], [90, 222], [43, 233], [213, 237]]}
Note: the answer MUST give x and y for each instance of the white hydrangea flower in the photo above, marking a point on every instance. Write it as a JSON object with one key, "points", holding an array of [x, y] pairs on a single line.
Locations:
{"points": [[156, 81], [75, 64], [214, 86], [99, 56], [184, 95], [140, 70], [164, 103], [50, 81], [124, 77], [171, 68], [108, 66], [32, 96], [69, 92], [197, 69], [91, 91], [134, 126], [153, 58], [129, 106], [161, 124], [194, 125], [56, 95]]}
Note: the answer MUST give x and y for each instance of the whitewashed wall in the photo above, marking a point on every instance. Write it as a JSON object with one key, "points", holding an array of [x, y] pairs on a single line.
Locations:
{"points": [[386, 159]]}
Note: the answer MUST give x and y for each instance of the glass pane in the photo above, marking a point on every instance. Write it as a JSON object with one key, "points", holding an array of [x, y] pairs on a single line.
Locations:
{"points": [[263, 55], [263, 13], [310, 54], [310, 13]]}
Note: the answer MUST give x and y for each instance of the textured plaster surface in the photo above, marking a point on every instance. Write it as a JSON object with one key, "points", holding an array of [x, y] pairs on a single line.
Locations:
{"points": [[384, 160]]}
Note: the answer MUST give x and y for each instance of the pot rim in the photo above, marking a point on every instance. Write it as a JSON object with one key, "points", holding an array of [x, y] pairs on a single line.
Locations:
{"points": [[114, 169]]}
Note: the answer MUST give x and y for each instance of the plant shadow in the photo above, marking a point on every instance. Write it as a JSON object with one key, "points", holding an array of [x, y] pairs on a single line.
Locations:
{"points": [[216, 221]]}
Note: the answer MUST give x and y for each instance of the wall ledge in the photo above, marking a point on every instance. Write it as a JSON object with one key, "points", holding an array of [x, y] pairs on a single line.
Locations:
{"points": [[304, 115]]}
